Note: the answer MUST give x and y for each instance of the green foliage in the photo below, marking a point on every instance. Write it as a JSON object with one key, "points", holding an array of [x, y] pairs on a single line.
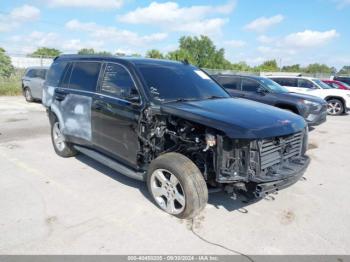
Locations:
{"points": [[240, 66], [292, 68], [344, 71], [154, 53], [91, 51], [201, 52], [6, 68], [318, 68], [268, 66], [45, 52]]}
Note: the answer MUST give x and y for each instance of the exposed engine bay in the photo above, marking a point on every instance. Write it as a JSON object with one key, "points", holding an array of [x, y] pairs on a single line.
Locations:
{"points": [[223, 161]]}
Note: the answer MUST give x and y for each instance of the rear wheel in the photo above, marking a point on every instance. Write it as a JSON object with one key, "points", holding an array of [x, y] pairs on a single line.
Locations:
{"points": [[62, 148], [28, 95], [335, 107], [177, 186]]}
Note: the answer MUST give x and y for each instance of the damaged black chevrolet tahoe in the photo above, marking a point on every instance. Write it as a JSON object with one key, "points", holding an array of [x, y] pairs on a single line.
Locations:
{"points": [[170, 124]]}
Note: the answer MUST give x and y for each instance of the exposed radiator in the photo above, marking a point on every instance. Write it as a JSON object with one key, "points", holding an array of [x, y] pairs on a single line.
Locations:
{"points": [[276, 150]]}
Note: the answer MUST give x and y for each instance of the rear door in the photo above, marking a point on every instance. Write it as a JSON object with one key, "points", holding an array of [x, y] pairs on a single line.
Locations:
{"points": [[115, 114], [38, 82], [73, 99]]}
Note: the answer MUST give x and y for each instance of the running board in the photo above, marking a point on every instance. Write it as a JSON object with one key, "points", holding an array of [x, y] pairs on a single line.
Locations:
{"points": [[111, 163]]}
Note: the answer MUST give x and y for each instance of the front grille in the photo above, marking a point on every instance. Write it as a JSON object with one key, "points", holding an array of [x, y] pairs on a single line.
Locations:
{"points": [[276, 150]]}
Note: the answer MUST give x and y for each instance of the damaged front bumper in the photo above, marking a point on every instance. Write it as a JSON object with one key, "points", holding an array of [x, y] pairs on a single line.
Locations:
{"points": [[263, 189]]}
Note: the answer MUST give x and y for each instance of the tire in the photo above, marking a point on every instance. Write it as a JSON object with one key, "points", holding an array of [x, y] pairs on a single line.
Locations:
{"points": [[28, 95], [335, 107], [62, 148], [177, 186]]}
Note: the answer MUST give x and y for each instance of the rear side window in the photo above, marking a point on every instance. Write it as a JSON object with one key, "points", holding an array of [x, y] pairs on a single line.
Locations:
{"points": [[286, 81], [31, 73], [305, 83], [84, 75], [232, 83], [250, 85], [117, 81], [55, 73]]}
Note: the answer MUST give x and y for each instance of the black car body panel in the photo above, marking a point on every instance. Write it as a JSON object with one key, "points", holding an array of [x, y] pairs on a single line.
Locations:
{"points": [[129, 111], [345, 79], [314, 115], [259, 121]]}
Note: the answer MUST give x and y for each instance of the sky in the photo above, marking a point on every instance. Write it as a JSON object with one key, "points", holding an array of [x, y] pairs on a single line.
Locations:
{"points": [[292, 32]]}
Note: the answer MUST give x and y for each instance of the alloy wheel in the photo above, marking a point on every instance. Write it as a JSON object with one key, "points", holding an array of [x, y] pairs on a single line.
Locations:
{"points": [[58, 137], [167, 191]]}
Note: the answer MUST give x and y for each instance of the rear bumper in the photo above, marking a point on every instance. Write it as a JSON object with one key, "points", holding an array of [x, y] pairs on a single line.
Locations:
{"points": [[265, 188]]}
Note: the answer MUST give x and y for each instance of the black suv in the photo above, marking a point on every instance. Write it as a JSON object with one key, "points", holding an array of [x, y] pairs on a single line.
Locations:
{"points": [[170, 124], [264, 90]]}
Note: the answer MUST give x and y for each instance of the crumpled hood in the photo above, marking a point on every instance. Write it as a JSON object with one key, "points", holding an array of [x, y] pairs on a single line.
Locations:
{"points": [[238, 118]]}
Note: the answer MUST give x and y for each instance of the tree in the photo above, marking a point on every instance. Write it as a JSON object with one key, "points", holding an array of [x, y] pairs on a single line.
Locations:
{"points": [[268, 66], [318, 68], [154, 53], [344, 71], [240, 66], [201, 52], [86, 51], [6, 68], [292, 68], [46, 52], [91, 51]]}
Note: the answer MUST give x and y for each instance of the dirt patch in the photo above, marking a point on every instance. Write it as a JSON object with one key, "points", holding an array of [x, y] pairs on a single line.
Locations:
{"points": [[287, 217], [323, 132], [312, 146]]}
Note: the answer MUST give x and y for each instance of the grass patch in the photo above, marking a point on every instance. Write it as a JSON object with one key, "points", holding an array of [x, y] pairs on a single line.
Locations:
{"points": [[10, 87]]}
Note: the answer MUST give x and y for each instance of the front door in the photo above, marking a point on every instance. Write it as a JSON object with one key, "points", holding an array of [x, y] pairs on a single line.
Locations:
{"points": [[115, 113]]}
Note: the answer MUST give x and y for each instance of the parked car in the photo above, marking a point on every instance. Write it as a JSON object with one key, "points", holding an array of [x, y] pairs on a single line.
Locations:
{"points": [[170, 124], [264, 90], [337, 84], [344, 79], [338, 100], [32, 83]]}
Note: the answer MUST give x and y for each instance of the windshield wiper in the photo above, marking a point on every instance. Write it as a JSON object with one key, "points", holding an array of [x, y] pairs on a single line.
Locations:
{"points": [[215, 97], [180, 100]]}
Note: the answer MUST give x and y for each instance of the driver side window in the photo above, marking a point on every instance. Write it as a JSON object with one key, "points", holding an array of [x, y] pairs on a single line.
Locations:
{"points": [[117, 82], [249, 85]]}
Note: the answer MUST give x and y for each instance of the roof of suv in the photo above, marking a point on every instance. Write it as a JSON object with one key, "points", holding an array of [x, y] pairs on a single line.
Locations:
{"points": [[247, 76], [302, 77], [131, 59]]}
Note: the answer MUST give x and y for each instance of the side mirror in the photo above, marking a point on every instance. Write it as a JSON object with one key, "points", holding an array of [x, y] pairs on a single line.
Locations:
{"points": [[261, 90]]}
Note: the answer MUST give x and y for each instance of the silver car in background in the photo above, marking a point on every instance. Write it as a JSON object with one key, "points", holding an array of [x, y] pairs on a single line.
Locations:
{"points": [[32, 83]]}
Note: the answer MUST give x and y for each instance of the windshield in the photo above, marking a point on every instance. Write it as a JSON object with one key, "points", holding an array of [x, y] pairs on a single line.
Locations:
{"points": [[273, 86], [168, 82], [321, 84]]}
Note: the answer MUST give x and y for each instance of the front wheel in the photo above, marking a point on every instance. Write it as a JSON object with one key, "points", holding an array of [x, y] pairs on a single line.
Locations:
{"points": [[335, 107], [177, 186]]}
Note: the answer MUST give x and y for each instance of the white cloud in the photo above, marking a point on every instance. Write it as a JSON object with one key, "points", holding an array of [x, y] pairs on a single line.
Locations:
{"points": [[309, 38], [342, 3], [234, 43], [113, 34], [104, 4], [265, 39], [262, 24], [194, 19], [18, 16]]}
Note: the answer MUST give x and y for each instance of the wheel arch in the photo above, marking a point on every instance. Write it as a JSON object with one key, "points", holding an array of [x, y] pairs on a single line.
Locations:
{"points": [[336, 97]]}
